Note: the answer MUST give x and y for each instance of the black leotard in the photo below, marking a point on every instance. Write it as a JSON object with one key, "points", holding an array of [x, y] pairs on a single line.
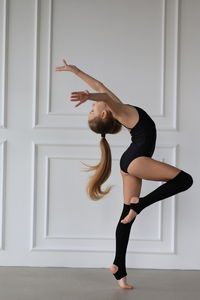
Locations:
{"points": [[143, 136]]}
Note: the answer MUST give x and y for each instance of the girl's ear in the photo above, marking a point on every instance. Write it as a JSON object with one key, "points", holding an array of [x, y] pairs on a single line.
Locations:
{"points": [[105, 114]]}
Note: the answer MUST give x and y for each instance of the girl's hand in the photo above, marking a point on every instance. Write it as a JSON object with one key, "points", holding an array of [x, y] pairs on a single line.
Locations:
{"points": [[66, 67], [79, 96]]}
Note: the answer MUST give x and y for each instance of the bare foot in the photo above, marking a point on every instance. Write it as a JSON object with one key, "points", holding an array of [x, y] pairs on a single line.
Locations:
{"points": [[132, 214], [122, 282]]}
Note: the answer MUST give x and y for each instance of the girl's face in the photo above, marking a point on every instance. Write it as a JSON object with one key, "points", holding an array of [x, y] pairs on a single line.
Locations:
{"points": [[99, 109]]}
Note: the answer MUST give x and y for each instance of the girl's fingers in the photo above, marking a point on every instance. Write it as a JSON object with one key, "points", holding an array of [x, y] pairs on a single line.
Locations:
{"points": [[65, 62], [60, 68], [77, 104], [75, 93], [75, 97]]}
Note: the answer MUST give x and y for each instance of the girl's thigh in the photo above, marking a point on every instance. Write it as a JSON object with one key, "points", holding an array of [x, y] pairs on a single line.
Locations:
{"points": [[150, 169]]}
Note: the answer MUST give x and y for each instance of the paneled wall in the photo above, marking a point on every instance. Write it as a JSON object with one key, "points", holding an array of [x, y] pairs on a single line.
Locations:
{"points": [[146, 53]]}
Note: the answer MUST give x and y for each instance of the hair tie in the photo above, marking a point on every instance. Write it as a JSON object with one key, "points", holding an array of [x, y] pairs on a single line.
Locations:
{"points": [[103, 135]]}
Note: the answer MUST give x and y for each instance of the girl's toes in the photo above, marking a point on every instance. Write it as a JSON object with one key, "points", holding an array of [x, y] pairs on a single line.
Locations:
{"points": [[125, 220]]}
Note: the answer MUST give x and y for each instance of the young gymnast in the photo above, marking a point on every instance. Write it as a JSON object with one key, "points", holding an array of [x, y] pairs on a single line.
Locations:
{"points": [[107, 116]]}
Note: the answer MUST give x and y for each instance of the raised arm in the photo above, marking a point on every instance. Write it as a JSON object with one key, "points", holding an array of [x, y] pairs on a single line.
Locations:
{"points": [[92, 82], [122, 112]]}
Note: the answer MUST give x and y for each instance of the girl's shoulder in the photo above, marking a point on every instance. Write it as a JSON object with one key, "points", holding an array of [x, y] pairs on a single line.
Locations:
{"points": [[129, 115]]}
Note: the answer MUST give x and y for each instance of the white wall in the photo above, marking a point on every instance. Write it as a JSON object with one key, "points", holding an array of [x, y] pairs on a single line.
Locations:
{"points": [[147, 52]]}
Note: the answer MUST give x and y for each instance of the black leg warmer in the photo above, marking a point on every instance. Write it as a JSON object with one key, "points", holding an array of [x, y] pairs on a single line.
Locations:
{"points": [[180, 183], [122, 238]]}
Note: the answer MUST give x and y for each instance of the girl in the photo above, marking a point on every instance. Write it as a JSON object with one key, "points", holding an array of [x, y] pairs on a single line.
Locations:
{"points": [[108, 114]]}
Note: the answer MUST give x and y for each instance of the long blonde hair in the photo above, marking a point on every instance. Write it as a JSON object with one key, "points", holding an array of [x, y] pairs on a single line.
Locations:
{"points": [[103, 169]]}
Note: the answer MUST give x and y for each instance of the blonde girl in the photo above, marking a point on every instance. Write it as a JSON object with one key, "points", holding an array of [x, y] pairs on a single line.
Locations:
{"points": [[107, 116]]}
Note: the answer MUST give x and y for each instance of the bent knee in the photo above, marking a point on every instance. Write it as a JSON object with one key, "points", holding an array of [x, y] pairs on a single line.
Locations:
{"points": [[184, 180], [188, 180]]}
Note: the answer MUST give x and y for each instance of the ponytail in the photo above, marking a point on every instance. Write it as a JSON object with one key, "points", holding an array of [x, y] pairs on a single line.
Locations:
{"points": [[102, 172], [103, 169]]}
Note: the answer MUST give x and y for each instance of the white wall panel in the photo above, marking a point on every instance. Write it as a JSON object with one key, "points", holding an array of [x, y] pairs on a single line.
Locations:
{"points": [[65, 219], [56, 37]]}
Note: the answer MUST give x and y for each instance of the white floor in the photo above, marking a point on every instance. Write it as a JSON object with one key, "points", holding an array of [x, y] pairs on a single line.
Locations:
{"points": [[20, 283]]}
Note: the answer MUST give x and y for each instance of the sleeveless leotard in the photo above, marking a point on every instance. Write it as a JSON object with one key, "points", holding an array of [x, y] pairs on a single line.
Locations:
{"points": [[143, 137]]}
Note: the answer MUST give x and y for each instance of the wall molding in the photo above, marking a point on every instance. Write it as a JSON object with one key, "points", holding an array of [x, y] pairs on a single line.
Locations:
{"points": [[165, 120], [35, 66], [163, 238], [3, 58], [3, 159], [81, 237]]}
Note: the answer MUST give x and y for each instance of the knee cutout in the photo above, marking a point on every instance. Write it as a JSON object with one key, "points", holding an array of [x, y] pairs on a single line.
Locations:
{"points": [[189, 180], [184, 179]]}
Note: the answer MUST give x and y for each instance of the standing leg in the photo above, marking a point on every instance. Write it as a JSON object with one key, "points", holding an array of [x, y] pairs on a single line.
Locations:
{"points": [[147, 168], [131, 188]]}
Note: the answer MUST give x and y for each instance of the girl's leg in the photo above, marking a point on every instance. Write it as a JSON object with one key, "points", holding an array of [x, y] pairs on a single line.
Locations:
{"points": [[147, 168], [131, 188], [151, 169]]}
